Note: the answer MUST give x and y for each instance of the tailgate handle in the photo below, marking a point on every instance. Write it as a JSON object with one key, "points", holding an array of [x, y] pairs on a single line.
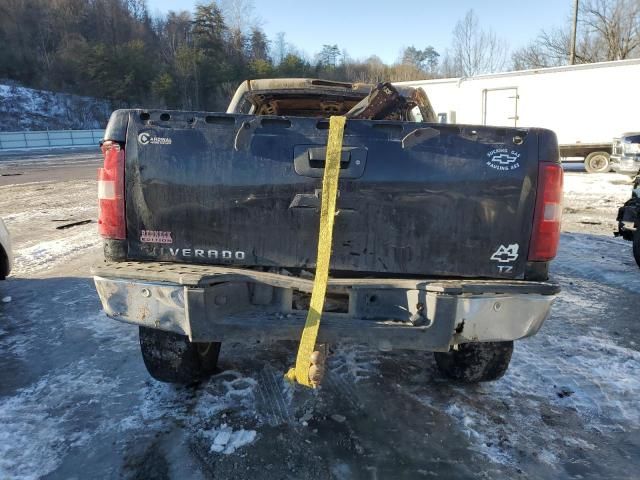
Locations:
{"points": [[318, 156], [309, 161]]}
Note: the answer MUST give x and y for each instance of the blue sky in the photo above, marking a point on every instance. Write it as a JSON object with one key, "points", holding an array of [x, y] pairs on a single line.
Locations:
{"points": [[371, 27]]}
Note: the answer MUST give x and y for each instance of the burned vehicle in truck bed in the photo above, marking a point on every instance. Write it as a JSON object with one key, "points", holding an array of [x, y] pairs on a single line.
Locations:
{"points": [[442, 239], [321, 98]]}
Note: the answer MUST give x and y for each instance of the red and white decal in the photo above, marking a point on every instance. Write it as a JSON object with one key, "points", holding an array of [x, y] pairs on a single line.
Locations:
{"points": [[155, 236]]}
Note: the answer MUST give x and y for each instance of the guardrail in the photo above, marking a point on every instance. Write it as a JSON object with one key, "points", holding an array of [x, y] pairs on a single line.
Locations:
{"points": [[49, 139]]}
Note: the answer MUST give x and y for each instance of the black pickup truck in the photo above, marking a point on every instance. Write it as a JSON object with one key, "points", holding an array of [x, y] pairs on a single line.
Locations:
{"points": [[442, 240]]}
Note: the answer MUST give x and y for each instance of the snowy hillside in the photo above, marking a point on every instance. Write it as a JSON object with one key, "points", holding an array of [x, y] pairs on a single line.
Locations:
{"points": [[29, 109]]}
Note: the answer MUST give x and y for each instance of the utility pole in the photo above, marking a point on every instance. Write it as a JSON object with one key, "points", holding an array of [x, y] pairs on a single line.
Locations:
{"points": [[572, 55]]}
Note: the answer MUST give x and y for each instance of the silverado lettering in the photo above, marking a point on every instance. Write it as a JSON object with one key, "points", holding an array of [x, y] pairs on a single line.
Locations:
{"points": [[203, 253]]}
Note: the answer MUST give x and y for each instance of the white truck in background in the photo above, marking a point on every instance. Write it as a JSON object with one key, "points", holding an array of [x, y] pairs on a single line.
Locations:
{"points": [[587, 106]]}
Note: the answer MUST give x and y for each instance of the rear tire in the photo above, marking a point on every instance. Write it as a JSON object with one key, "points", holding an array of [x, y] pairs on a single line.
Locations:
{"points": [[475, 362], [597, 162], [636, 246], [4, 264], [172, 358]]}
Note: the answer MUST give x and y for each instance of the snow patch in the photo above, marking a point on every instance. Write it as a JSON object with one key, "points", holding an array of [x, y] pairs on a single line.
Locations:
{"points": [[46, 254], [597, 188], [160, 402], [227, 441], [355, 362], [240, 388], [602, 394], [70, 213], [474, 425], [23, 108], [38, 426], [599, 250]]}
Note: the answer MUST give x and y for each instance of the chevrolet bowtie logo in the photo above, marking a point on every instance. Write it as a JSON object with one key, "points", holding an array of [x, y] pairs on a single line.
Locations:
{"points": [[504, 159]]}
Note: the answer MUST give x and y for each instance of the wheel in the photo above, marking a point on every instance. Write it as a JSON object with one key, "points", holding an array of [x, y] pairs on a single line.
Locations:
{"points": [[4, 264], [475, 362], [597, 162], [636, 246], [172, 358]]}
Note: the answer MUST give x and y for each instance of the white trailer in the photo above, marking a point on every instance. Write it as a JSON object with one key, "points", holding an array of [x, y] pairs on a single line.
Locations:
{"points": [[586, 105]]}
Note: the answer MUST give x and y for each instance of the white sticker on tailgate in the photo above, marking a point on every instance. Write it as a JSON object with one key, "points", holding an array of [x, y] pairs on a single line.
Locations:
{"points": [[145, 138], [503, 159], [504, 255]]}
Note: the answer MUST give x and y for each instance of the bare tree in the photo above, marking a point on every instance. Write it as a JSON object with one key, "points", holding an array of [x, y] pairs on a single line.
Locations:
{"points": [[533, 56], [616, 24], [607, 30], [175, 30], [240, 15], [474, 50], [280, 48], [371, 70], [552, 49]]}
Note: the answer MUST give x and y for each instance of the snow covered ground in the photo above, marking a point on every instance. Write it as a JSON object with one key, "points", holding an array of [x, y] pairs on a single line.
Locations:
{"points": [[591, 202], [76, 402], [33, 212], [24, 108]]}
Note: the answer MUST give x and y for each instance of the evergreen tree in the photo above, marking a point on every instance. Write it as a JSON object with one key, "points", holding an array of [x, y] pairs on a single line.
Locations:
{"points": [[212, 67]]}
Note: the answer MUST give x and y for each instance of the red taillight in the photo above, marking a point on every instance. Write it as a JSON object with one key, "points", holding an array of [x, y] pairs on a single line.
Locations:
{"points": [[111, 222], [548, 214]]}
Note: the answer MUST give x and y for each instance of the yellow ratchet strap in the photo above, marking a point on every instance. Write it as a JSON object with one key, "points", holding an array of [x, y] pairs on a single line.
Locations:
{"points": [[300, 373]]}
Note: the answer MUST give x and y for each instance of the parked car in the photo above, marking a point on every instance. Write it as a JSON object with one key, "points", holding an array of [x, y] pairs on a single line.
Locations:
{"points": [[629, 219], [626, 154], [6, 255], [442, 240]]}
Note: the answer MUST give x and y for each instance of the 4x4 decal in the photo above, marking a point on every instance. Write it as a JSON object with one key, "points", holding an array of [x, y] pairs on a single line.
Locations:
{"points": [[505, 255]]}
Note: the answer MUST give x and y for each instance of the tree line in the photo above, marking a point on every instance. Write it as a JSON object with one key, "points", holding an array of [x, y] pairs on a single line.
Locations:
{"points": [[115, 49]]}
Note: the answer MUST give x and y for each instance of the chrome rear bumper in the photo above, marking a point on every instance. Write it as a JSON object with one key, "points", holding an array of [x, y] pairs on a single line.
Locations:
{"points": [[223, 304]]}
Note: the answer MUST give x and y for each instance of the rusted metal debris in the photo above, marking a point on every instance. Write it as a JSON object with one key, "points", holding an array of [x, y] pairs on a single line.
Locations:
{"points": [[382, 101]]}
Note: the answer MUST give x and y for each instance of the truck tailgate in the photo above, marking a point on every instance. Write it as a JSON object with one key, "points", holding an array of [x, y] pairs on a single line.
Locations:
{"points": [[423, 199]]}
